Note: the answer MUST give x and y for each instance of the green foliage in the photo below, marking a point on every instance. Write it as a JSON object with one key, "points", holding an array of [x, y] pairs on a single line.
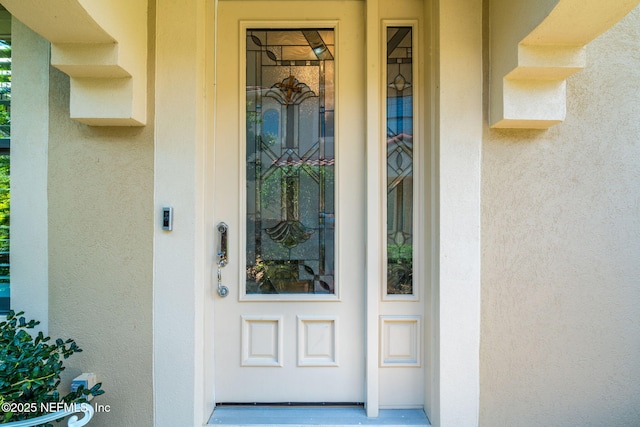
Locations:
{"points": [[402, 253], [275, 276], [5, 118], [30, 368], [5, 199], [400, 269]]}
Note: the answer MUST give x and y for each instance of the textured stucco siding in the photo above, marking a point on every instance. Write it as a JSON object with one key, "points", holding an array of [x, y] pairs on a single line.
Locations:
{"points": [[560, 328], [83, 229], [101, 255]]}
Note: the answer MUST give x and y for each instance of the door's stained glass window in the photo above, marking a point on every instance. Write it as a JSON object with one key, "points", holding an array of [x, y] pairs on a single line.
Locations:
{"points": [[290, 161], [399, 161]]}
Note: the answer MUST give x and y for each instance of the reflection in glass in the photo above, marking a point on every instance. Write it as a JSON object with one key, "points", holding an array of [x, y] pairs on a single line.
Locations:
{"points": [[399, 161], [5, 163], [290, 161]]}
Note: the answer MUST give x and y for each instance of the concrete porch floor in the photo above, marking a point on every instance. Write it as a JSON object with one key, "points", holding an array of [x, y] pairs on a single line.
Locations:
{"points": [[268, 416]]}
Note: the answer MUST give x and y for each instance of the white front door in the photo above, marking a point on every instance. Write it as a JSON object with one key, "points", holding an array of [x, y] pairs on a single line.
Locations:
{"points": [[289, 186]]}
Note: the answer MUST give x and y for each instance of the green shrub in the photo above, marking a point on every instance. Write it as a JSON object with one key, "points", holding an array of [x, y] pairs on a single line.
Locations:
{"points": [[30, 369]]}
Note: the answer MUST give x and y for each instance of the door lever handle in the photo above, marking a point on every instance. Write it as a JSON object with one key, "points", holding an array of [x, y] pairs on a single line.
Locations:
{"points": [[223, 254], [223, 257]]}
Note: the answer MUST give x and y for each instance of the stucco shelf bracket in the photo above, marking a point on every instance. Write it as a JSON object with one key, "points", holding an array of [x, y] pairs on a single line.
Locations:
{"points": [[529, 71], [102, 46]]}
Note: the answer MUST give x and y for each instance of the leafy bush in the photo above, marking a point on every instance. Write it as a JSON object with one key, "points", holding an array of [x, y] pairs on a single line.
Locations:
{"points": [[400, 269], [30, 369]]}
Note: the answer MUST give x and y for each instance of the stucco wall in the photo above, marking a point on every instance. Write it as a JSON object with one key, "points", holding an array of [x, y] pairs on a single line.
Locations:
{"points": [[560, 333], [101, 219]]}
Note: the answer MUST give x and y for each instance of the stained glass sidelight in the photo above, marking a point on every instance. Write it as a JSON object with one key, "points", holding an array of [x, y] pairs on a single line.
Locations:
{"points": [[290, 161], [399, 161]]}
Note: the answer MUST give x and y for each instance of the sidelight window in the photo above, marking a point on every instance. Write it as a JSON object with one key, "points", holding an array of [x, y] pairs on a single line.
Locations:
{"points": [[400, 165]]}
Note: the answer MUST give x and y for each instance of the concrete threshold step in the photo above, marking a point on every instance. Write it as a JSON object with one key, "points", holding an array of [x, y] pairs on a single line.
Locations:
{"points": [[267, 416]]}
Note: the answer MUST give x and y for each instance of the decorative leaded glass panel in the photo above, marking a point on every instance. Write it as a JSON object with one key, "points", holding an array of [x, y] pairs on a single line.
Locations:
{"points": [[290, 161], [399, 161]]}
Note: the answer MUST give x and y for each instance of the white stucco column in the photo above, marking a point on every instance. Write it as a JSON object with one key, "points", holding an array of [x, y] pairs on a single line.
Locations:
{"points": [[29, 169], [457, 156], [180, 280]]}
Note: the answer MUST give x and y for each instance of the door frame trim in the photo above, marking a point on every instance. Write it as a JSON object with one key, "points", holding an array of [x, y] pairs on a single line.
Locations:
{"points": [[374, 205], [183, 285]]}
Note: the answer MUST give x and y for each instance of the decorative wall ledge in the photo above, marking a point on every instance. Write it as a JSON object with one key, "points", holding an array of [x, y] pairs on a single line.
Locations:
{"points": [[530, 61], [102, 46]]}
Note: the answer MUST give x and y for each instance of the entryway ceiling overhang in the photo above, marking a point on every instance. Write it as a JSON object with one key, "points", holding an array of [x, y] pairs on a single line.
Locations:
{"points": [[534, 48], [102, 46]]}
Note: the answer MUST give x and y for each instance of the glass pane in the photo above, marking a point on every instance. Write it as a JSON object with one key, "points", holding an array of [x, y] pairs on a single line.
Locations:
{"points": [[5, 192], [399, 161], [290, 161]]}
